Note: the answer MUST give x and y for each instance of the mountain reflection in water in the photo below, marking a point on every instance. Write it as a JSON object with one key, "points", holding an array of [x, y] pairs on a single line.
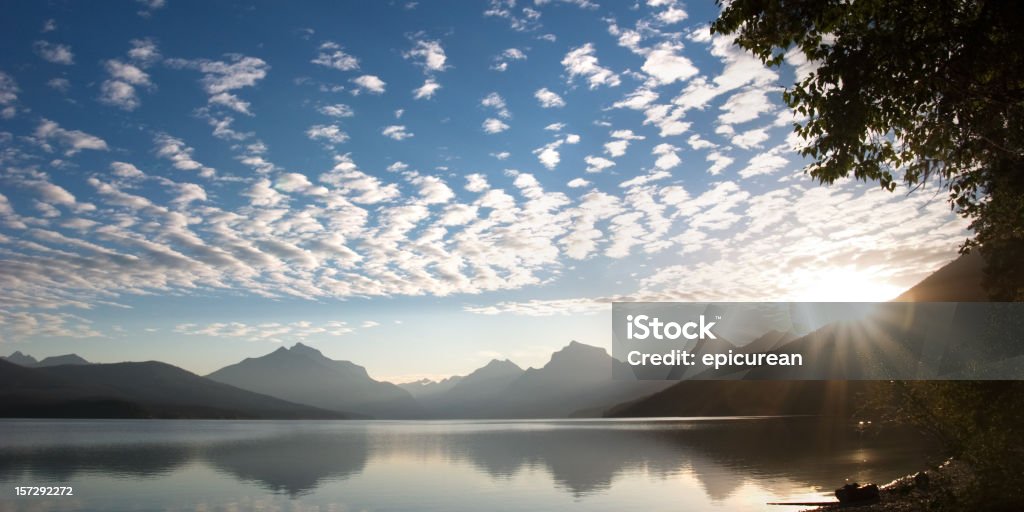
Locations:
{"points": [[450, 465]]}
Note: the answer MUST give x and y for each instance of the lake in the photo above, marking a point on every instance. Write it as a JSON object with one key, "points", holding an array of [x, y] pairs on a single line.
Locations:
{"points": [[614, 465]]}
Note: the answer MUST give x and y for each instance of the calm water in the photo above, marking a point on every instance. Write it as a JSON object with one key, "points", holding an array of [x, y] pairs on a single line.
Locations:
{"points": [[697, 464]]}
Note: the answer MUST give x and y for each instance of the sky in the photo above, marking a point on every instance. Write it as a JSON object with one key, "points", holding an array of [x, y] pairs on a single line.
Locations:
{"points": [[418, 187]]}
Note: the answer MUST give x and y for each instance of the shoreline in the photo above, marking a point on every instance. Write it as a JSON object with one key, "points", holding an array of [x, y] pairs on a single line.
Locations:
{"points": [[941, 489]]}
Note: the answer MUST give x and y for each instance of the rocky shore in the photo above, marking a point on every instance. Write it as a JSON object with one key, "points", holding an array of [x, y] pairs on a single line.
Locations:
{"points": [[940, 488]]}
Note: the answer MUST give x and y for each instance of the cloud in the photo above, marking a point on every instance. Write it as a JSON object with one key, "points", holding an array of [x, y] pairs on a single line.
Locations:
{"points": [[667, 156], [180, 155], [62, 85], [368, 83], [430, 53], [492, 125], [149, 6], [750, 138], [262, 193], [432, 190], [668, 119], [222, 129], [523, 20], [578, 183], [238, 72], [617, 147], [496, 102], [548, 99], [476, 183], [582, 62], [8, 89], [672, 14], [73, 140], [511, 54], [549, 156], [332, 56], [745, 106], [336, 110], [119, 89], [220, 78], [427, 90], [597, 164], [639, 99], [275, 332], [126, 170], [55, 53], [144, 52], [697, 142], [232, 102], [719, 161], [740, 69], [765, 163], [329, 133], [293, 182], [538, 307], [665, 65], [397, 132], [18, 325]]}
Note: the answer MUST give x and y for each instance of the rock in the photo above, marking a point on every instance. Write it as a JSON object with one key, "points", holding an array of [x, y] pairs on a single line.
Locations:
{"points": [[921, 480], [855, 493]]}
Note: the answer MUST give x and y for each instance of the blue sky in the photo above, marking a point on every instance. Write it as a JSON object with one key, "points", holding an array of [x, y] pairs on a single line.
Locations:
{"points": [[417, 187]]}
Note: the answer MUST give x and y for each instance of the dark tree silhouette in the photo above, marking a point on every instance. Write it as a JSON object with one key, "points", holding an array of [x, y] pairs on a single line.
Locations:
{"points": [[916, 91]]}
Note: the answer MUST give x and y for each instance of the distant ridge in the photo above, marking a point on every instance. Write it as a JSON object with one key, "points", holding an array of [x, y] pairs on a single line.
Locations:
{"points": [[134, 390], [958, 281], [426, 388], [469, 394], [578, 380], [30, 362], [302, 374]]}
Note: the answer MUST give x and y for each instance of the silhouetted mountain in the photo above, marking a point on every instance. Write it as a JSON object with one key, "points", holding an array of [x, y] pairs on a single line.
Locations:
{"points": [[427, 388], [958, 281], [21, 359], [303, 375], [472, 392], [747, 398], [63, 359], [133, 390], [579, 380], [31, 362]]}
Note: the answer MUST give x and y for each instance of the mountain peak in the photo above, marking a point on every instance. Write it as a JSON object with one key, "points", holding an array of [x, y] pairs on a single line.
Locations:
{"points": [[306, 350], [577, 347], [64, 359], [499, 363], [576, 353], [21, 359]]}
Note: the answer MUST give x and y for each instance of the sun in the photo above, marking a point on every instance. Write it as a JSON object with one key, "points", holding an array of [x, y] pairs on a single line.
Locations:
{"points": [[842, 284]]}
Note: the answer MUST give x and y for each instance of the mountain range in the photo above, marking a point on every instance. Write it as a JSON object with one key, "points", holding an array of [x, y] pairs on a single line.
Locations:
{"points": [[303, 375], [30, 362], [300, 382], [134, 390]]}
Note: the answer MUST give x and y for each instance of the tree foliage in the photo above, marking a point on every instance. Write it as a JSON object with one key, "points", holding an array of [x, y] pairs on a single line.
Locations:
{"points": [[911, 91], [980, 422]]}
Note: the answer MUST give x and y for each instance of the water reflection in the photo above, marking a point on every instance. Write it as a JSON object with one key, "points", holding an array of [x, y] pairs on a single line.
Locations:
{"points": [[586, 460], [295, 463]]}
